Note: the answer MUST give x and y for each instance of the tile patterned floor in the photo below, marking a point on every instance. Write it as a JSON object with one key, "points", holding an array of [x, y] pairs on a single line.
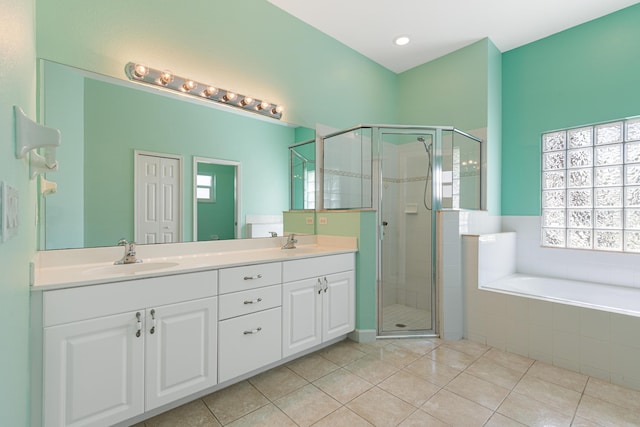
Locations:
{"points": [[413, 318], [412, 382]]}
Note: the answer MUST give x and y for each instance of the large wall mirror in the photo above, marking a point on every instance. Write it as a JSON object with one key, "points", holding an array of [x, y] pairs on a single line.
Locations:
{"points": [[105, 121]]}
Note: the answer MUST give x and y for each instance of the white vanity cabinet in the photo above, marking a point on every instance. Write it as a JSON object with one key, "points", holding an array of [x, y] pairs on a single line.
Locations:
{"points": [[250, 314], [113, 351], [318, 301]]}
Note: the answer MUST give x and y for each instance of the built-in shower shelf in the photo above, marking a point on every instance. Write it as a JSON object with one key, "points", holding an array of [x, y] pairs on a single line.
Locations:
{"points": [[411, 208]]}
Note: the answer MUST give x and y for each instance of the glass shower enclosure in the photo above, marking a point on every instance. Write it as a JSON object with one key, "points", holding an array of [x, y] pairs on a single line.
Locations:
{"points": [[407, 174]]}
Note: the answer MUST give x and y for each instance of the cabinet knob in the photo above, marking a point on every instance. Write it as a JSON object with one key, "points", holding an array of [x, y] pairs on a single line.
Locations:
{"points": [[253, 331], [255, 301]]}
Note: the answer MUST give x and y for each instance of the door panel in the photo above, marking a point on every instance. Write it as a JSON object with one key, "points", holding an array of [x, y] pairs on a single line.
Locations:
{"points": [[339, 302], [302, 316], [93, 372], [181, 350], [159, 195]]}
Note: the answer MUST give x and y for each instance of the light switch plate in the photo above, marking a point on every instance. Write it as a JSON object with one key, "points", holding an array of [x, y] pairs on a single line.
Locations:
{"points": [[323, 220], [8, 211], [309, 220]]}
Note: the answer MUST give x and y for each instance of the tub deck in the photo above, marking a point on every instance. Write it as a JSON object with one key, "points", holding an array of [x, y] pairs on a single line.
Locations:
{"points": [[611, 298]]}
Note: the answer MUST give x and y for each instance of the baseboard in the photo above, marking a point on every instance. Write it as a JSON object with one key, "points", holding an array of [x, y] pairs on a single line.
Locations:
{"points": [[363, 335]]}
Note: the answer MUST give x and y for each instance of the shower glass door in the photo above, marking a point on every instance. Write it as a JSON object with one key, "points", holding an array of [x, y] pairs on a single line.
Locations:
{"points": [[406, 299]]}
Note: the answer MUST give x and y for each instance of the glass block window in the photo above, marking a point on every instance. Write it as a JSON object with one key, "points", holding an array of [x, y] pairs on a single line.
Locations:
{"points": [[591, 187]]}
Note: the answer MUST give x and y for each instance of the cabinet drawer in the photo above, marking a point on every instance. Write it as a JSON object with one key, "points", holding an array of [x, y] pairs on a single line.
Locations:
{"points": [[246, 302], [249, 277], [317, 266], [249, 342], [88, 302]]}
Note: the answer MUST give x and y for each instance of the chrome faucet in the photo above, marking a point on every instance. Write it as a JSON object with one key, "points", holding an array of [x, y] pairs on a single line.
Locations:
{"points": [[129, 253], [291, 242]]}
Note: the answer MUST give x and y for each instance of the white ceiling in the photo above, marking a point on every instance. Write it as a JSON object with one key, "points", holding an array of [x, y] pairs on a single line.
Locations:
{"points": [[438, 27]]}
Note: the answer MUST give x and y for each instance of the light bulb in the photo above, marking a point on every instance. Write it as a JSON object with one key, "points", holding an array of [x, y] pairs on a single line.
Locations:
{"points": [[166, 77], [229, 96], [277, 109], [263, 105], [246, 101], [139, 71], [189, 85], [210, 91]]}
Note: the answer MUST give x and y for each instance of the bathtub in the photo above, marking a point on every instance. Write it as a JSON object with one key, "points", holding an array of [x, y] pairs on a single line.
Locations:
{"points": [[590, 328], [614, 299]]}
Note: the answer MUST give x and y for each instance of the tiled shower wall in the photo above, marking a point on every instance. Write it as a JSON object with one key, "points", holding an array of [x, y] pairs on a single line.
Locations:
{"points": [[407, 266]]}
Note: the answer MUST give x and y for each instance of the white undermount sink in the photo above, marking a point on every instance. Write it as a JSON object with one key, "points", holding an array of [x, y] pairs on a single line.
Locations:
{"points": [[140, 267]]}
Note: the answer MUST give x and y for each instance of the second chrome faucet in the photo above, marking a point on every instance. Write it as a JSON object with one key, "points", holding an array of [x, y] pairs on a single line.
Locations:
{"points": [[129, 253], [291, 242]]}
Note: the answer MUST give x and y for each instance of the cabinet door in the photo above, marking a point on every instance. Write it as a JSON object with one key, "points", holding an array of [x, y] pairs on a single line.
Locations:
{"points": [[338, 309], [301, 316], [94, 371], [181, 342]]}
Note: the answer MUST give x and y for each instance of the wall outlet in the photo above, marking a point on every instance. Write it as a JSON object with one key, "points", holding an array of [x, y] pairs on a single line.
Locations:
{"points": [[309, 220], [322, 220], [8, 211]]}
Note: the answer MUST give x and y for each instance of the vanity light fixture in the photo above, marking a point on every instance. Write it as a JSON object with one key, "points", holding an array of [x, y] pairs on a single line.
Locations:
{"points": [[167, 80]]}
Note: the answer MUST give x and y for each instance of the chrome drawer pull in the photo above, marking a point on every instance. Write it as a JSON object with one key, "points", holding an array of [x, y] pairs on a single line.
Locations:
{"points": [[255, 331], [255, 301], [259, 276]]}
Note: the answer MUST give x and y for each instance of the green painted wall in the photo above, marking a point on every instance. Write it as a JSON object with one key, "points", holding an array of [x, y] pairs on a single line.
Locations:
{"points": [[119, 120], [217, 219], [448, 91], [296, 222], [586, 74], [265, 53], [461, 89], [63, 104], [17, 87]]}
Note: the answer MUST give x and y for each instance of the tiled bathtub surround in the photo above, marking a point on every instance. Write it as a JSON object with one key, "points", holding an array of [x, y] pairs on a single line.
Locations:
{"points": [[452, 224], [615, 268], [599, 343], [412, 382]]}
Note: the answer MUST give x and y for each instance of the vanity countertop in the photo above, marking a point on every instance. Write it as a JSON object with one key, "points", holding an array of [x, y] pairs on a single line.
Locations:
{"points": [[79, 267]]}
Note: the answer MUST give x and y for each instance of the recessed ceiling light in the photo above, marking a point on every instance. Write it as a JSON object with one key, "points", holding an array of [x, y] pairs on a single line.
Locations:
{"points": [[401, 40]]}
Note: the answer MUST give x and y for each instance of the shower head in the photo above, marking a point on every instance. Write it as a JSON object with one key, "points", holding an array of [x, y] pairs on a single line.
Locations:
{"points": [[426, 146]]}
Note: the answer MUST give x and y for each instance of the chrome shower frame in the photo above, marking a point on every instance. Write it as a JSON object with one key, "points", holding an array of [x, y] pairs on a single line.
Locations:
{"points": [[436, 133]]}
